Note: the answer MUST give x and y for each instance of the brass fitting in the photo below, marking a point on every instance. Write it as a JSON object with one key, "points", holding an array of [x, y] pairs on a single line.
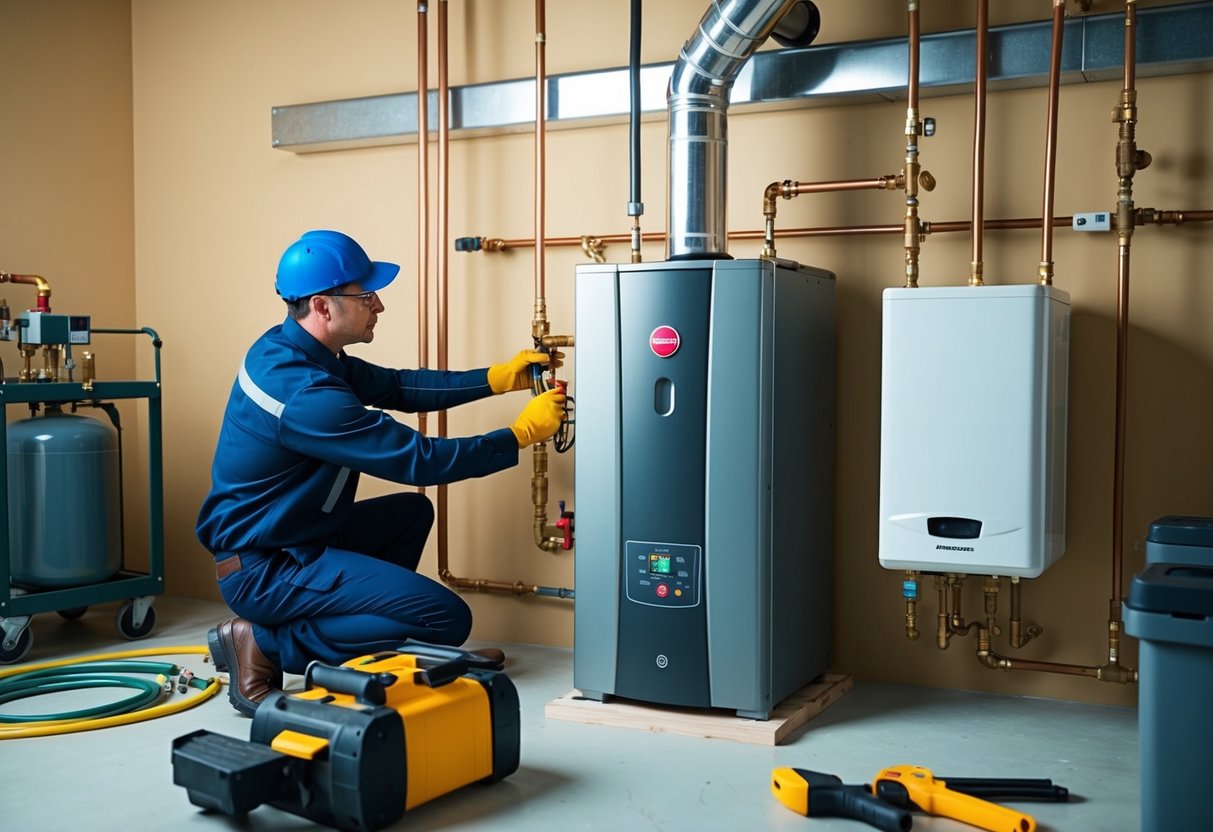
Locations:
{"points": [[539, 323], [35, 280], [593, 248], [991, 587], [548, 538], [27, 357], [50, 361], [942, 634], [88, 370], [553, 341], [910, 592], [956, 622]]}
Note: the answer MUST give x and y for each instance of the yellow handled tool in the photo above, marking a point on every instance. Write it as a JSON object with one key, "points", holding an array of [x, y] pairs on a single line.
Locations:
{"points": [[914, 787]]}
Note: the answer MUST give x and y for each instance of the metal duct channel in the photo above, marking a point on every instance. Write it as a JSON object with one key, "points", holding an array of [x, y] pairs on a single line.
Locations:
{"points": [[1171, 40], [698, 106]]}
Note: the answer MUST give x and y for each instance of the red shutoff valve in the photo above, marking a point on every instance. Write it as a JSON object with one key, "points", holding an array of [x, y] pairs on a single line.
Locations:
{"points": [[565, 524]]}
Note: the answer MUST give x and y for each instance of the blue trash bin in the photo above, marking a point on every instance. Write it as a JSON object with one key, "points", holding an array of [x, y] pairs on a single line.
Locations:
{"points": [[1170, 609], [1180, 539]]}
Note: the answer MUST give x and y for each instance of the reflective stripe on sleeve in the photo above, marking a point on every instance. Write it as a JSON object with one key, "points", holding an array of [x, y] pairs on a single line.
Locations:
{"points": [[260, 398]]}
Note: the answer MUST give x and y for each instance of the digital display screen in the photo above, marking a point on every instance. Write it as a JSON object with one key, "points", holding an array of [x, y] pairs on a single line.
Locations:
{"points": [[659, 564]]}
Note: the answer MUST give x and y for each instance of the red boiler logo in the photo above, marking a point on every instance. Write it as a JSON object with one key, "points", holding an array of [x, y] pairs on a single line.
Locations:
{"points": [[664, 341]]}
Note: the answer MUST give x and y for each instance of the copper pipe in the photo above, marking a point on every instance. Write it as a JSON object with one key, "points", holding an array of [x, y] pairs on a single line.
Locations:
{"points": [[423, 198], [1128, 161], [913, 226], [546, 537], [38, 281], [942, 634], [1151, 216], [1130, 56], [979, 139], [1046, 241], [484, 585], [888, 183], [442, 519], [788, 189], [539, 324], [519, 588], [1018, 637], [1118, 459], [996, 662], [912, 86], [956, 623]]}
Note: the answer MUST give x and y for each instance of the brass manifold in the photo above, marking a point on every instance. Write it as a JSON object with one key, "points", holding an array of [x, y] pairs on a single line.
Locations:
{"points": [[50, 353], [950, 622]]}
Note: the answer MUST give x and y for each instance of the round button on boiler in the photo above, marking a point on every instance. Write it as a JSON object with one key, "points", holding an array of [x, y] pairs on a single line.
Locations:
{"points": [[662, 590]]}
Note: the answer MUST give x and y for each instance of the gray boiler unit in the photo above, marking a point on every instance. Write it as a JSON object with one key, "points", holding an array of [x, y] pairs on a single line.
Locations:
{"points": [[704, 481]]}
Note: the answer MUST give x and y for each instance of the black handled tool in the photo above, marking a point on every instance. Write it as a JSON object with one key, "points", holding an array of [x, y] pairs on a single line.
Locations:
{"points": [[817, 794]]}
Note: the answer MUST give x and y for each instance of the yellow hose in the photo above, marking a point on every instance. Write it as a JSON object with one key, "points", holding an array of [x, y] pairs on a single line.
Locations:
{"points": [[69, 726]]}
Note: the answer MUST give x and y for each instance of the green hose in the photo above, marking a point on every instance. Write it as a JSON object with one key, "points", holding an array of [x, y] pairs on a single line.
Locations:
{"points": [[86, 675]]}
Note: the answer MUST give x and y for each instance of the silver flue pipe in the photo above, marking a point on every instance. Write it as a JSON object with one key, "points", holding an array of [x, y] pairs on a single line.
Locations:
{"points": [[697, 106]]}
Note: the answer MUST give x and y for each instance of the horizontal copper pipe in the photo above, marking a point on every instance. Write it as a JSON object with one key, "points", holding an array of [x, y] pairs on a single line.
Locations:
{"points": [[1047, 667], [1149, 217], [482, 585]]}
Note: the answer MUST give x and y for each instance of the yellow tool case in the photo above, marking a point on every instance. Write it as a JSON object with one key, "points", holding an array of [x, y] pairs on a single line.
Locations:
{"points": [[364, 743]]}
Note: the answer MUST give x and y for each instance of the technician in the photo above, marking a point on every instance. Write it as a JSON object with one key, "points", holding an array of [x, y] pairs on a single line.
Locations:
{"points": [[310, 572]]}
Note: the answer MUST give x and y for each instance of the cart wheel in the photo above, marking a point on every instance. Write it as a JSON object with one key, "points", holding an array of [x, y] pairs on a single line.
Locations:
{"points": [[20, 647], [125, 621], [73, 613]]}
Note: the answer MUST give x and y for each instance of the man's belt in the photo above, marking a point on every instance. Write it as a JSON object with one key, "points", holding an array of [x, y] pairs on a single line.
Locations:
{"points": [[227, 566]]}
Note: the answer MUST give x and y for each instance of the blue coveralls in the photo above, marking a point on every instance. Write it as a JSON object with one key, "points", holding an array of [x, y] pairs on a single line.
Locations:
{"points": [[322, 576]]}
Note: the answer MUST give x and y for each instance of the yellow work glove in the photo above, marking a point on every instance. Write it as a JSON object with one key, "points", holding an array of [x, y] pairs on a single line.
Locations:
{"points": [[515, 374], [540, 419]]}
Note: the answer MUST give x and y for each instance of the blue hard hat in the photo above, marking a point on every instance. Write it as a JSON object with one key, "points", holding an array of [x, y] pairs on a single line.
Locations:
{"points": [[320, 261]]}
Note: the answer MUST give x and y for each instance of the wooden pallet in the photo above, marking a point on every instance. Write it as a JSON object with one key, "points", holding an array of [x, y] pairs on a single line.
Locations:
{"points": [[787, 717]]}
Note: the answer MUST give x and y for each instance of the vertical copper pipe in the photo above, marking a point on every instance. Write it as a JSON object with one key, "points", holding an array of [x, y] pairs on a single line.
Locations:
{"points": [[444, 182], [1046, 241], [423, 197], [913, 226], [912, 88], [1118, 463], [539, 325], [979, 139], [1126, 158]]}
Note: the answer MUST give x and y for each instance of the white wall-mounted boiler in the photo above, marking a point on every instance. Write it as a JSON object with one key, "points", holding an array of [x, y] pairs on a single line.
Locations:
{"points": [[974, 390]]}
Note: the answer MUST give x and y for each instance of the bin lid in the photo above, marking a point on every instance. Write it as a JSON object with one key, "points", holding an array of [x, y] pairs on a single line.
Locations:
{"points": [[1173, 588], [1182, 530]]}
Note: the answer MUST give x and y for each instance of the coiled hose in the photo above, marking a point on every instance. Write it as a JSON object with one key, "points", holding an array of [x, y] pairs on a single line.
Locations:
{"points": [[108, 670]]}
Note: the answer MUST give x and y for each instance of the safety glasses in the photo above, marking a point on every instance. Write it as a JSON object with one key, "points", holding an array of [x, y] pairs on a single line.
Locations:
{"points": [[368, 298]]}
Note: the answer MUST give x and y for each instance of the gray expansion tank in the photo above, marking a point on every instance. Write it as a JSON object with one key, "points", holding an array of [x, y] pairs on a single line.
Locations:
{"points": [[63, 501]]}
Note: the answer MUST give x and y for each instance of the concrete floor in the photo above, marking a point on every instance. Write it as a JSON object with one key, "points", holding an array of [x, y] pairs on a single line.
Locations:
{"points": [[576, 776]]}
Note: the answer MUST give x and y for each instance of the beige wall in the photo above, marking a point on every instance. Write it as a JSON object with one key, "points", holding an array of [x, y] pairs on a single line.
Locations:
{"points": [[214, 205], [67, 193]]}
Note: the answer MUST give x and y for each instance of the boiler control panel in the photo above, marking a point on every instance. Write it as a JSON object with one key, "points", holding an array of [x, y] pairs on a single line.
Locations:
{"points": [[662, 574]]}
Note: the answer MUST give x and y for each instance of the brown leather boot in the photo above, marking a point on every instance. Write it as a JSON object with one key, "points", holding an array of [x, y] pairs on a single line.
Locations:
{"points": [[251, 675], [493, 654]]}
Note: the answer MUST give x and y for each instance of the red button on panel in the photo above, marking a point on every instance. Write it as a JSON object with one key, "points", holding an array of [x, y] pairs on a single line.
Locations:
{"points": [[662, 590]]}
